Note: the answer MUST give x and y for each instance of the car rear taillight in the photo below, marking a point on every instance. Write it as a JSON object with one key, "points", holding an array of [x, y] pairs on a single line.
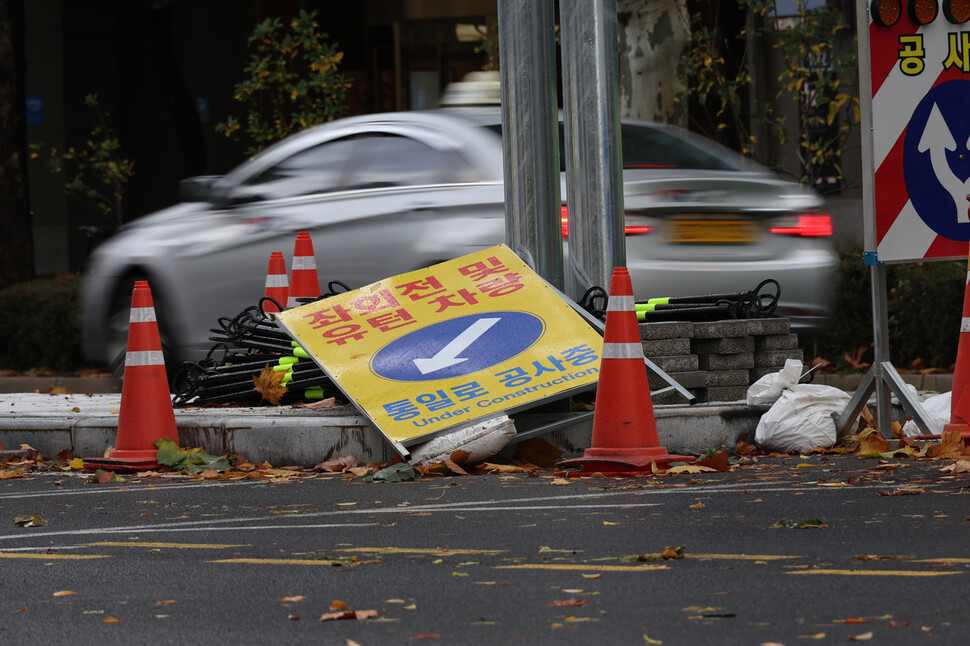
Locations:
{"points": [[805, 225], [635, 223]]}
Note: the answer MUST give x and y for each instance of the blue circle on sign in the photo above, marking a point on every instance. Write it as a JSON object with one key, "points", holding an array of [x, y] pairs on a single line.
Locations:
{"points": [[458, 346], [936, 159]]}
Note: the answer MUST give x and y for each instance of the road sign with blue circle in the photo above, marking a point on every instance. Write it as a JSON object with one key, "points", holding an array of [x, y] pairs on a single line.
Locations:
{"points": [[936, 160], [465, 340], [458, 347]]}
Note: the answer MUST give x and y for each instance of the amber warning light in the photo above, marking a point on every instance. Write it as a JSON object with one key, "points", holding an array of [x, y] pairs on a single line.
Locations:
{"points": [[887, 13]]}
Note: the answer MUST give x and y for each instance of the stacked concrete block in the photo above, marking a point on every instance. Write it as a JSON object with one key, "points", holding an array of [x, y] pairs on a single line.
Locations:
{"points": [[717, 361]]}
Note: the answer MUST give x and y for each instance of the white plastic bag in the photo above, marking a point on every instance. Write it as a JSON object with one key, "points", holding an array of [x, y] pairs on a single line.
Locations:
{"points": [[768, 389], [801, 419], [481, 441], [937, 409]]}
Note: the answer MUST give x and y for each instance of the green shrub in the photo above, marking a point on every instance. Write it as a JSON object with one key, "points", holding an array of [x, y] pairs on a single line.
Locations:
{"points": [[925, 305], [291, 83], [40, 325]]}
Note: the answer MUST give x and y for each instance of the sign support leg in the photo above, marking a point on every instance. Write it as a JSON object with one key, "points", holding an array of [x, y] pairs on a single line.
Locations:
{"points": [[882, 376]]}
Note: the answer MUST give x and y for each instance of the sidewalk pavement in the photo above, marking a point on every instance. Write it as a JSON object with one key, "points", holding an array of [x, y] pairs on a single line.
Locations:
{"points": [[84, 421]]}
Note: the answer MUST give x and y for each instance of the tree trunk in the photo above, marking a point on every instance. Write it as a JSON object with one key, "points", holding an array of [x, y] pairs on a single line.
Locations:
{"points": [[16, 239], [652, 37]]}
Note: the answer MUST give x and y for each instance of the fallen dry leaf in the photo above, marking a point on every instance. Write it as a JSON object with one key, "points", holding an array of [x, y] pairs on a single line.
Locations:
{"points": [[348, 614], [64, 593], [270, 385], [329, 402], [459, 456], [492, 468], [9, 474], [718, 461], [293, 599], [673, 552], [453, 466], [960, 466], [861, 637], [949, 448], [871, 444], [337, 465], [567, 602], [690, 468], [539, 452]]}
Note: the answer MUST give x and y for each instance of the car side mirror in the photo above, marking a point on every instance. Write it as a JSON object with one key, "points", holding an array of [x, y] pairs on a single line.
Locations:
{"points": [[200, 189]]}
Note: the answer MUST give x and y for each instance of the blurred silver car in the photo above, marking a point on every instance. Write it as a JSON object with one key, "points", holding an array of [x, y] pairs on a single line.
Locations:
{"points": [[385, 194]]}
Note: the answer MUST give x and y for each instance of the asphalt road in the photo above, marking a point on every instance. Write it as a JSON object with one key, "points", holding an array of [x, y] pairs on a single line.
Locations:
{"points": [[494, 559]]}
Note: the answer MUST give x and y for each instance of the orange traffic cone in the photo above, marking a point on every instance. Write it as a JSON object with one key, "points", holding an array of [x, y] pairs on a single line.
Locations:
{"points": [[303, 277], [146, 405], [624, 428], [277, 285], [959, 395]]}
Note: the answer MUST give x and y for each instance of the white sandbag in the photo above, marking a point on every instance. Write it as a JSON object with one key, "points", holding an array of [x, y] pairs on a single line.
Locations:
{"points": [[768, 389], [937, 409], [481, 441], [801, 419]]}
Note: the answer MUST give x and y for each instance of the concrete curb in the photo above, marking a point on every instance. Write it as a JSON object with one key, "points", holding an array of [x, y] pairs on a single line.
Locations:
{"points": [[87, 425]]}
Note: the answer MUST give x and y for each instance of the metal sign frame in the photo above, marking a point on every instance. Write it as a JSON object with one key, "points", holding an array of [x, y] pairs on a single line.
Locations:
{"points": [[882, 376]]}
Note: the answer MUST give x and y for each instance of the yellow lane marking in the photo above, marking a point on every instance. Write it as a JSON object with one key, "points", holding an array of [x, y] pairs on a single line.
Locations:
{"points": [[583, 568], [742, 557], [285, 562], [437, 551], [874, 572], [941, 561], [52, 557], [182, 546]]}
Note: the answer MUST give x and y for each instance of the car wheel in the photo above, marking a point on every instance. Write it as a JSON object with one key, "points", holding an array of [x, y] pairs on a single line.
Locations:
{"points": [[119, 315]]}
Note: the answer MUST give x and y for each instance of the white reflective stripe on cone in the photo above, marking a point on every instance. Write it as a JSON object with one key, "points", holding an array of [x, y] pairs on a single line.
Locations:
{"points": [[304, 262], [276, 280], [622, 351], [619, 304], [965, 324], [145, 358], [142, 315]]}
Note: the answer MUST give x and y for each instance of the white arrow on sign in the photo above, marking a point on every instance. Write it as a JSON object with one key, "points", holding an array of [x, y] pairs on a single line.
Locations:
{"points": [[937, 139], [448, 355]]}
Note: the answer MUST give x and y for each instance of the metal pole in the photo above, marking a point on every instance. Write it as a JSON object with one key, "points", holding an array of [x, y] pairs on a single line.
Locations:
{"points": [[527, 60], [877, 273], [594, 195]]}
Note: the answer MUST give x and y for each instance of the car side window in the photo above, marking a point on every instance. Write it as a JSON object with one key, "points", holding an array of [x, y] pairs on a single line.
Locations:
{"points": [[652, 148], [394, 160], [320, 169]]}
